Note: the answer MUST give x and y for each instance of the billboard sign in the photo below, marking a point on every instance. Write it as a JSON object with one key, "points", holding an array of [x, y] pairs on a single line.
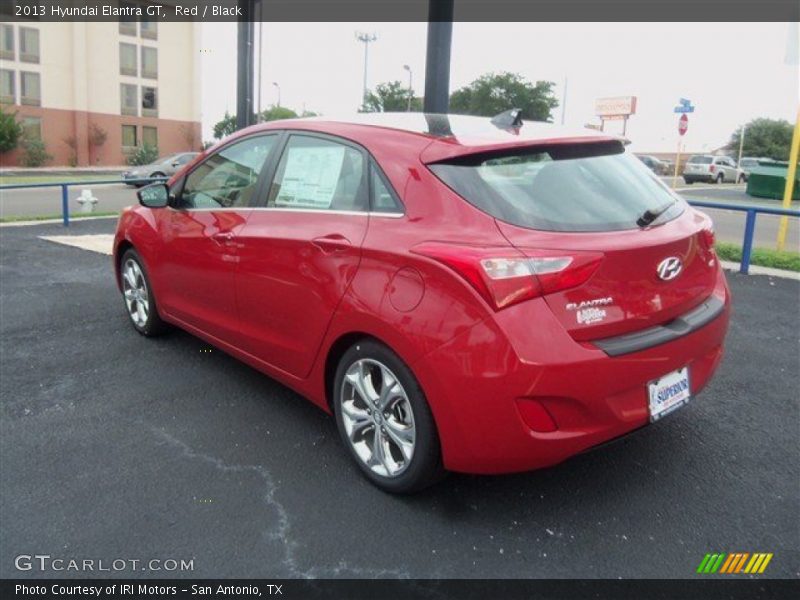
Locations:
{"points": [[619, 106]]}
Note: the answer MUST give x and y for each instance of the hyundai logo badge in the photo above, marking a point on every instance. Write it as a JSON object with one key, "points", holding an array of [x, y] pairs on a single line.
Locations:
{"points": [[669, 268]]}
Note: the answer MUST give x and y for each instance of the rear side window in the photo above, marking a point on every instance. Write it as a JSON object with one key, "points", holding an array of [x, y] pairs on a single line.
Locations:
{"points": [[383, 199], [586, 187], [316, 173], [701, 160]]}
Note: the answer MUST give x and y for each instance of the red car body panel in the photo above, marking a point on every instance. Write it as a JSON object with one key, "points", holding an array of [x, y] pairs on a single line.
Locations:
{"points": [[282, 290]]}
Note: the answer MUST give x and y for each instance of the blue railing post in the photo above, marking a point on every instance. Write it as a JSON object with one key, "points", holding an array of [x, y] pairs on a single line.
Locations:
{"points": [[747, 246], [65, 204]]}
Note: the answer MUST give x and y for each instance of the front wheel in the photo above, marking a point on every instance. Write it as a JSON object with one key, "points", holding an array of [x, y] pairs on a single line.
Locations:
{"points": [[140, 301], [384, 419]]}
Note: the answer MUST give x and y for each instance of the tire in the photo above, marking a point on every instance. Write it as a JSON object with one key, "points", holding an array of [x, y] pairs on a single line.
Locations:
{"points": [[720, 178], [138, 296], [409, 457], [157, 174]]}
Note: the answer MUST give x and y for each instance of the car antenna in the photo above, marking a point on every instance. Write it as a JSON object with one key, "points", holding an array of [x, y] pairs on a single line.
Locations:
{"points": [[510, 119]]}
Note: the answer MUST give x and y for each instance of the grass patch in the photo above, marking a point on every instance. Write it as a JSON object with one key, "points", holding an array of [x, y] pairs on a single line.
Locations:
{"points": [[18, 179], [58, 216], [763, 257]]}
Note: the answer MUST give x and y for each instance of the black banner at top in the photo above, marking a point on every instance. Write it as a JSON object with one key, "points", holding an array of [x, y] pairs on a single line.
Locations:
{"points": [[401, 10]]}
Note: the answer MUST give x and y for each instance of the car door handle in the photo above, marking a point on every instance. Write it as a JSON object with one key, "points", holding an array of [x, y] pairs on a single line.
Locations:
{"points": [[223, 237], [332, 243]]}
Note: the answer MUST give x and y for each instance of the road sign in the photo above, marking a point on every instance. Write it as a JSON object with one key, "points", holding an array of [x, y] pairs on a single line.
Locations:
{"points": [[683, 124], [685, 102], [684, 109]]}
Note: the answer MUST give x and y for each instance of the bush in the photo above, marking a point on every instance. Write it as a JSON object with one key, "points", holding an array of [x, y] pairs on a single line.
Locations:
{"points": [[763, 257], [144, 155], [34, 153], [10, 131]]}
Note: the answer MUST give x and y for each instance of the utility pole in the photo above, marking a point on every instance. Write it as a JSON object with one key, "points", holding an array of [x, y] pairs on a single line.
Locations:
{"points": [[244, 66], [366, 39], [410, 86], [564, 102], [437, 61], [741, 145], [260, 57]]}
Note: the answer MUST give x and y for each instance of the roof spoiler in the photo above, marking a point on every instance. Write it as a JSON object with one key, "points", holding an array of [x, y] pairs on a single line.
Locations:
{"points": [[509, 120]]}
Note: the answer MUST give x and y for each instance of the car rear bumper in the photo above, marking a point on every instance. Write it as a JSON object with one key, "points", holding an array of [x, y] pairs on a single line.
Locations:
{"points": [[483, 389], [698, 177]]}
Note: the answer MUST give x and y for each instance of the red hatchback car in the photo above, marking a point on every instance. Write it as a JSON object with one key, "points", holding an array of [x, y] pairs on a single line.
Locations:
{"points": [[463, 294]]}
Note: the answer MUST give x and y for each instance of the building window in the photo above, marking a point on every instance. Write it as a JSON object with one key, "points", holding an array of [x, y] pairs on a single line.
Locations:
{"points": [[149, 101], [28, 45], [7, 41], [150, 136], [128, 100], [7, 88], [149, 62], [32, 128], [127, 59], [127, 25], [30, 89], [129, 136], [148, 29]]}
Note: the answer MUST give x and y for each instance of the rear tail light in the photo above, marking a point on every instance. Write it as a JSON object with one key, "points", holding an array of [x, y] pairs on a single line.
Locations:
{"points": [[507, 276], [711, 168], [708, 237]]}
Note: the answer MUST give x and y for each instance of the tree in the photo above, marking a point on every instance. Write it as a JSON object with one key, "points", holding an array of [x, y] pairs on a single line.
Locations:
{"points": [[225, 127], [143, 155], [10, 131], [494, 93], [391, 96], [277, 112], [763, 138]]}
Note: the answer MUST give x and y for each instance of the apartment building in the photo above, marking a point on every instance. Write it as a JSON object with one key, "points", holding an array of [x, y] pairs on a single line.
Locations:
{"points": [[94, 92]]}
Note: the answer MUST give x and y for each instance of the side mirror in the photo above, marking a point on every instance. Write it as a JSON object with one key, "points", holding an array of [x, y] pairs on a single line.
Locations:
{"points": [[155, 195]]}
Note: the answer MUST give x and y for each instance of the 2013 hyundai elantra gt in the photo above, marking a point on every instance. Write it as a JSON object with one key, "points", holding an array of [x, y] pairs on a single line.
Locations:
{"points": [[464, 294]]}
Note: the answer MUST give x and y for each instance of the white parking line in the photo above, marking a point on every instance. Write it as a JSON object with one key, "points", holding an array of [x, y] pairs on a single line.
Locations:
{"points": [[100, 242]]}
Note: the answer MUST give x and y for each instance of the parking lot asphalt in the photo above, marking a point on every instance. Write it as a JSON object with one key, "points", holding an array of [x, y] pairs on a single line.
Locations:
{"points": [[116, 446]]}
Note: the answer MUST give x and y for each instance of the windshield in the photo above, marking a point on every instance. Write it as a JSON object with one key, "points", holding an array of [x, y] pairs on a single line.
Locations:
{"points": [[163, 159], [586, 187], [701, 160]]}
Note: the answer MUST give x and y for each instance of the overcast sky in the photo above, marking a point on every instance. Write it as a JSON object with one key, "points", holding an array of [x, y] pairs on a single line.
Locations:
{"points": [[732, 72]]}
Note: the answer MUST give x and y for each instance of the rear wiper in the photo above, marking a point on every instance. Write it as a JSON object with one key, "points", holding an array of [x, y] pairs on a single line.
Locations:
{"points": [[651, 215]]}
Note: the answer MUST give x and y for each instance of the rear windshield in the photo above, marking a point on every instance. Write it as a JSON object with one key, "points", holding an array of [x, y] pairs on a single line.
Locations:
{"points": [[701, 160], [587, 187]]}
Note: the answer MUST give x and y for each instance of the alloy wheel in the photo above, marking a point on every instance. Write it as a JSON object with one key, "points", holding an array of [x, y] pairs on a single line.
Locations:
{"points": [[134, 288], [378, 417]]}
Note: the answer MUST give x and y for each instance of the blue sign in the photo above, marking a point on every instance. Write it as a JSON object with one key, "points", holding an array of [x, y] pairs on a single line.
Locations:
{"points": [[684, 109], [685, 102]]}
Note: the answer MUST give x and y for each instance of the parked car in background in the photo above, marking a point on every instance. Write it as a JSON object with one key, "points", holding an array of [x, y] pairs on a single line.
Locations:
{"points": [[460, 295], [161, 167], [746, 165], [656, 165], [711, 169]]}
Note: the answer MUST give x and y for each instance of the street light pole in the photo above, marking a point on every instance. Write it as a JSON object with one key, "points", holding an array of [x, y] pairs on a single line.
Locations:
{"points": [[410, 86], [275, 83], [741, 146], [365, 38]]}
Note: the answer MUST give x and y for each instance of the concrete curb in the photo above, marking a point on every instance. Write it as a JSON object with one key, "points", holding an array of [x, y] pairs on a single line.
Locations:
{"points": [[756, 270]]}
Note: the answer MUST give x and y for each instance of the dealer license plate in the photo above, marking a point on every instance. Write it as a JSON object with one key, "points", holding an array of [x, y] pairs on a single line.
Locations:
{"points": [[668, 393]]}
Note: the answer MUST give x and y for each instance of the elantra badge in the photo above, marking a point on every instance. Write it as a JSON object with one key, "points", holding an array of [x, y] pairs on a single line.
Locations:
{"points": [[669, 268]]}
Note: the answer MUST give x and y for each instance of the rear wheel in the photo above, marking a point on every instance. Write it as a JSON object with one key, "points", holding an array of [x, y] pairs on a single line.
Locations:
{"points": [[140, 302], [384, 419], [156, 174]]}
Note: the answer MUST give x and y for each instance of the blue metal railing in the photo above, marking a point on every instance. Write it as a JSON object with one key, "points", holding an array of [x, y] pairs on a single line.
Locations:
{"points": [[747, 243], [749, 224], [65, 185]]}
